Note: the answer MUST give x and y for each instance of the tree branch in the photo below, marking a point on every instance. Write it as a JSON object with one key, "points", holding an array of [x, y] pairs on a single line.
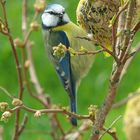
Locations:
{"points": [[18, 66], [116, 74], [118, 15], [41, 111], [125, 100]]}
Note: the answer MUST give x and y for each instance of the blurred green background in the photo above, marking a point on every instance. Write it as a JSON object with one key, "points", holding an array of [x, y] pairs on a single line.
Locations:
{"points": [[93, 88]]}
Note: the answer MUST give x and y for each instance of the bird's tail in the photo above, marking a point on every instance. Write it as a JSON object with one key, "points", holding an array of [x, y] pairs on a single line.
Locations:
{"points": [[73, 109]]}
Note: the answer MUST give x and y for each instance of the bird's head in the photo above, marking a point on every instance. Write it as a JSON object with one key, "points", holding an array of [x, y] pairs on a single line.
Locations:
{"points": [[54, 16]]}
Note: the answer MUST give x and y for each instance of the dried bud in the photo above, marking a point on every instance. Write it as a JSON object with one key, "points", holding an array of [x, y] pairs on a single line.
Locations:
{"points": [[59, 51], [17, 102], [27, 64], [37, 114], [3, 106], [18, 43], [34, 26], [92, 110], [40, 5], [5, 116], [3, 28]]}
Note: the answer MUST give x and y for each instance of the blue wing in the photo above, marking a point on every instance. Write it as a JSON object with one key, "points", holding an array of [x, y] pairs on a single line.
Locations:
{"points": [[63, 68]]}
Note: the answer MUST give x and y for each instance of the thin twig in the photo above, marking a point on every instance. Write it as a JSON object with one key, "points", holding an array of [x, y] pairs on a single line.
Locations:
{"points": [[63, 111], [125, 100], [121, 10], [18, 66], [39, 90], [22, 127], [119, 38], [108, 129], [136, 27], [130, 58], [103, 49], [128, 24], [76, 135], [1, 132], [90, 52], [6, 92], [24, 16], [26, 35], [59, 125], [114, 37], [111, 53], [28, 48], [15, 136]]}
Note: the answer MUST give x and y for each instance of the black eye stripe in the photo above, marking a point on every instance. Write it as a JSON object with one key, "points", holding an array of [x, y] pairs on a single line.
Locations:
{"points": [[54, 13]]}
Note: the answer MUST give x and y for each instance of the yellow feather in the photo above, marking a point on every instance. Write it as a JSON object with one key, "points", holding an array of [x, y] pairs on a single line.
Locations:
{"points": [[80, 64]]}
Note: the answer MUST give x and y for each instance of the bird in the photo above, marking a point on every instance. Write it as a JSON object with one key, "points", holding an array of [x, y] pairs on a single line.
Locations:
{"points": [[94, 17], [59, 29]]}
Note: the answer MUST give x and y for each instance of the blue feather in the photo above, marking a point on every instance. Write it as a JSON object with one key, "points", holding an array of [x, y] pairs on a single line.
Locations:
{"points": [[67, 78], [63, 68]]}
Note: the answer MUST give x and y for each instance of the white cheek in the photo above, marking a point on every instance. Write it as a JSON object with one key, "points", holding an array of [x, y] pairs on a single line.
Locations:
{"points": [[49, 20]]}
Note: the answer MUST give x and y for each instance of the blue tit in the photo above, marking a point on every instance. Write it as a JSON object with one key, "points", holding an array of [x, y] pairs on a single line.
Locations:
{"points": [[57, 28]]}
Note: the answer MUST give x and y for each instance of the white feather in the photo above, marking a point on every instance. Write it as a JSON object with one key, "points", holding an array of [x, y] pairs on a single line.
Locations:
{"points": [[49, 20]]}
